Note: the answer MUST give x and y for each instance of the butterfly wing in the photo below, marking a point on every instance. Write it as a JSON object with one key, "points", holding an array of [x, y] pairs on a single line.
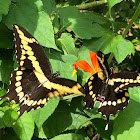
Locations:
{"points": [[29, 52], [96, 83], [111, 90], [33, 83]]}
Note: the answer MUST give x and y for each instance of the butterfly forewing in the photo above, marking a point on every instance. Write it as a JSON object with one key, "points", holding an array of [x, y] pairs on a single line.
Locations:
{"points": [[29, 52]]}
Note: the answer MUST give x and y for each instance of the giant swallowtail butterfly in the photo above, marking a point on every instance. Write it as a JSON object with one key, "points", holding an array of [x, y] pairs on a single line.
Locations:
{"points": [[33, 83], [110, 89]]}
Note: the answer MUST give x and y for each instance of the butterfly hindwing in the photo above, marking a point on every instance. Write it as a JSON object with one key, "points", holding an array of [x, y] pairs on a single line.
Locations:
{"points": [[110, 89]]}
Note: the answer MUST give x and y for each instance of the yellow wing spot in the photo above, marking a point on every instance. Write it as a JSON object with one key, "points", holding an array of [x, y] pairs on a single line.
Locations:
{"points": [[111, 82], [94, 99], [116, 89], [89, 83], [101, 75], [93, 96], [23, 52], [126, 80], [109, 103], [26, 47], [117, 80], [38, 107], [123, 99], [32, 58], [50, 95], [24, 42], [39, 102], [44, 101], [56, 93], [104, 103], [30, 53], [90, 88], [26, 102], [21, 46], [91, 78], [131, 81], [19, 73], [78, 85], [26, 39], [22, 68], [138, 78], [21, 63], [114, 103], [18, 89], [20, 32], [91, 92], [30, 102], [119, 101], [17, 84], [122, 85], [126, 94], [135, 81], [22, 57], [34, 103], [18, 78], [122, 80], [126, 84]]}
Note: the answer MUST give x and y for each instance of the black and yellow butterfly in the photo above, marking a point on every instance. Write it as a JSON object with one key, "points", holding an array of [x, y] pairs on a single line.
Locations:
{"points": [[109, 88], [33, 83]]}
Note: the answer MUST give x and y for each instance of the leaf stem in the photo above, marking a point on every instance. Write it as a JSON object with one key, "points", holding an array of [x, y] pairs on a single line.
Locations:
{"points": [[136, 14], [91, 4]]}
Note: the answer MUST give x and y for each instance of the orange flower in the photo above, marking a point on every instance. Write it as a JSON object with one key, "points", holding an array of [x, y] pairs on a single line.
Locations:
{"points": [[85, 65]]}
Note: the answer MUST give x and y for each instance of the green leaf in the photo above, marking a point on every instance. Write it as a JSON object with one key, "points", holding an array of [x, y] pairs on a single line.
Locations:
{"points": [[120, 47], [41, 115], [78, 121], [4, 6], [2, 124], [111, 3], [70, 136], [110, 43], [24, 127], [67, 44], [127, 124], [6, 65], [9, 117], [79, 23], [62, 63], [6, 37], [49, 6], [31, 16], [58, 121]]}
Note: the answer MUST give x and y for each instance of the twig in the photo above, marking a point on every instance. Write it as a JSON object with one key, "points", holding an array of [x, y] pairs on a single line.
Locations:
{"points": [[91, 4], [137, 14]]}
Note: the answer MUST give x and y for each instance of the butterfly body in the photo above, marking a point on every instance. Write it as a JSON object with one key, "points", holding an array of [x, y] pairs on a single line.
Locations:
{"points": [[33, 83], [110, 89]]}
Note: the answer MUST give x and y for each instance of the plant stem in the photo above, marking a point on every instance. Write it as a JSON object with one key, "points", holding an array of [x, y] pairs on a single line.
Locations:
{"points": [[91, 4], [110, 58], [137, 13]]}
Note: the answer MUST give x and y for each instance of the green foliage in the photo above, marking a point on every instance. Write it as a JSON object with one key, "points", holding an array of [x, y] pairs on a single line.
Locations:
{"points": [[68, 34]]}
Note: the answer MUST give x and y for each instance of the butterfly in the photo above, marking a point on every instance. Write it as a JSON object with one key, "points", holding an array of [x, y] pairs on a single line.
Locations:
{"points": [[109, 88], [33, 83]]}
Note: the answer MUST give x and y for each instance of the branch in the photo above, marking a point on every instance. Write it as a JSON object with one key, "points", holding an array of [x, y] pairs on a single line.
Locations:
{"points": [[91, 4]]}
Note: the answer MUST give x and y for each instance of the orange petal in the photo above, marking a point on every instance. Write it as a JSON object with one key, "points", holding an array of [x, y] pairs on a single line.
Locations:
{"points": [[85, 66], [94, 61], [115, 71]]}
